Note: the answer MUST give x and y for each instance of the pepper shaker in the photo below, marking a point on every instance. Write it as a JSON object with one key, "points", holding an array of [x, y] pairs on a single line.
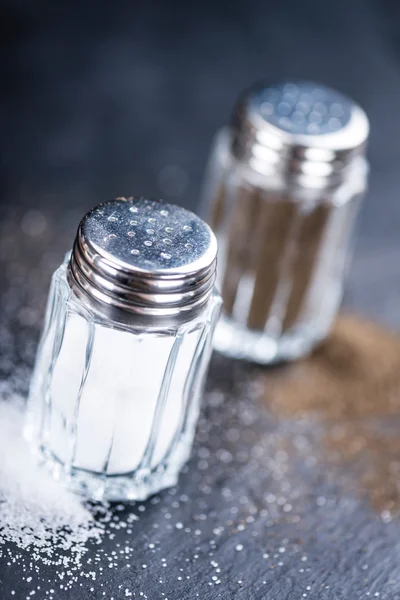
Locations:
{"points": [[282, 192], [122, 360]]}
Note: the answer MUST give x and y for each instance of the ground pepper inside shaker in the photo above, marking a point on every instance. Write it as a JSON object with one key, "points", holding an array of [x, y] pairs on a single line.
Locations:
{"points": [[122, 360], [282, 192]]}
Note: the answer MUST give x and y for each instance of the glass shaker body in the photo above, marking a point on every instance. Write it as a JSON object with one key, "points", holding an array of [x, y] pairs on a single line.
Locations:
{"points": [[284, 245], [115, 396]]}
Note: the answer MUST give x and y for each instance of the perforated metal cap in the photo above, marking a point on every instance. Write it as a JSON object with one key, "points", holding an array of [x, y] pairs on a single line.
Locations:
{"points": [[144, 256], [300, 128]]}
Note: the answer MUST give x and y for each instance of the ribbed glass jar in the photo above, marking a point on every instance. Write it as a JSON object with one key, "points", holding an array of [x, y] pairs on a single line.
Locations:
{"points": [[115, 393], [282, 193]]}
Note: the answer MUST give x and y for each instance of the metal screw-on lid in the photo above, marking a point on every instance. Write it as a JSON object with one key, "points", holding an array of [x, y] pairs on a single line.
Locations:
{"points": [[298, 128], [144, 256]]}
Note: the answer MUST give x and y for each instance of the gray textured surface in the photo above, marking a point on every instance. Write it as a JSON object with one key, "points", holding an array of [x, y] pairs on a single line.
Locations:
{"points": [[112, 101]]}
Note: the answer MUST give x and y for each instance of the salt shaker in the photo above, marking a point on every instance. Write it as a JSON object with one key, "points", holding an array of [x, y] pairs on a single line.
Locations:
{"points": [[126, 344], [282, 192]]}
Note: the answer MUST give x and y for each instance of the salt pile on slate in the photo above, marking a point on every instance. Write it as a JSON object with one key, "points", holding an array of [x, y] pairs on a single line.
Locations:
{"points": [[37, 513]]}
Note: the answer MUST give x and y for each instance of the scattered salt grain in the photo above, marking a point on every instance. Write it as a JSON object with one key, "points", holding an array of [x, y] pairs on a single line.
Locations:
{"points": [[36, 512]]}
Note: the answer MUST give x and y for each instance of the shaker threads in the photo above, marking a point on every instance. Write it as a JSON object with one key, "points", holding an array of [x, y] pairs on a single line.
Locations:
{"points": [[115, 393], [281, 193]]}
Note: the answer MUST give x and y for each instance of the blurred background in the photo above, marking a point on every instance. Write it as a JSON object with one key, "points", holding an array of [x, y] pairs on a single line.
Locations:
{"points": [[101, 99]]}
